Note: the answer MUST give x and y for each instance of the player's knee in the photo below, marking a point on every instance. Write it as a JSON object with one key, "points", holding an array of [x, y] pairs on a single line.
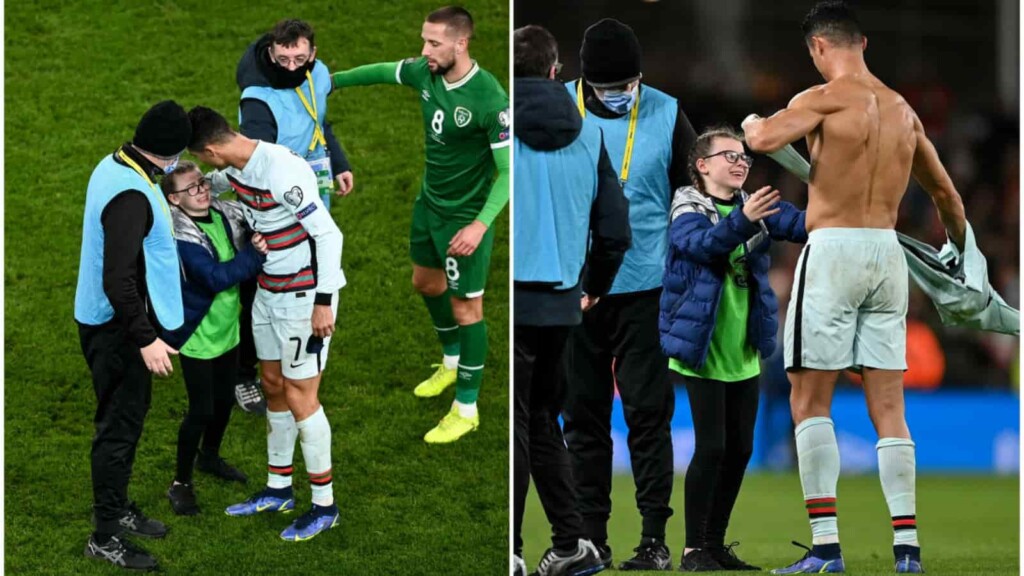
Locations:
{"points": [[467, 312], [273, 384], [427, 284], [804, 407]]}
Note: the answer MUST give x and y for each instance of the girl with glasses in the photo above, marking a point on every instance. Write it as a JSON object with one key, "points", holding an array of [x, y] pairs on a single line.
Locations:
{"points": [[718, 315], [216, 256]]}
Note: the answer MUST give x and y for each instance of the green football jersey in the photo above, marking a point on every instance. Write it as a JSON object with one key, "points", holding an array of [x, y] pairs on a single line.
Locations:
{"points": [[463, 122]]}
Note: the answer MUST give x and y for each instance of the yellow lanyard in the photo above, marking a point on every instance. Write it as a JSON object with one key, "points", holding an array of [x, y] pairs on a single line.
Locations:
{"points": [[318, 135], [633, 114], [152, 185]]}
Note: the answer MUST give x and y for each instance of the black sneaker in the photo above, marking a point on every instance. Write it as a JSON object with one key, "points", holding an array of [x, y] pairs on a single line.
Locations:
{"points": [[120, 553], [604, 552], [699, 560], [651, 554], [136, 523], [250, 397], [183, 499], [216, 466], [727, 559], [584, 560]]}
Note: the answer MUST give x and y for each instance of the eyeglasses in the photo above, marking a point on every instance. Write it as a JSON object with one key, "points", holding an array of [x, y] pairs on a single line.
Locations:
{"points": [[299, 60], [558, 68], [196, 188], [731, 156]]}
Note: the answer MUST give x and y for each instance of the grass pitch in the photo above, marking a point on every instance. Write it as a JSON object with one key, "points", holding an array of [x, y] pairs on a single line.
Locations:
{"points": [[78, 77], [969, 525]]}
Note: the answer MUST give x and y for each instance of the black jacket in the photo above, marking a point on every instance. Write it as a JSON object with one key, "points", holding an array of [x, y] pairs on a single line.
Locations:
{"points": [[546, 119], [256, 119]]}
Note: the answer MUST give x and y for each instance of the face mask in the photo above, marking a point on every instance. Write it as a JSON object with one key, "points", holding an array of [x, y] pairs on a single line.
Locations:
{"points": [[619, 101], [281, 77], [170, 167]]}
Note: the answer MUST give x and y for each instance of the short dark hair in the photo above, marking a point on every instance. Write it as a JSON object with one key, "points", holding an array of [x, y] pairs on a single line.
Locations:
{"points": [[535, 52], [834, 20], [701, 148], [208, 127], [288, 32], [456, 18], [169, 183]]}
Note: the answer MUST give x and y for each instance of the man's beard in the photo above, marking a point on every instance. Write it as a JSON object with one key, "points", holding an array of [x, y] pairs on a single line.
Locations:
{"points": [[442, 70]]}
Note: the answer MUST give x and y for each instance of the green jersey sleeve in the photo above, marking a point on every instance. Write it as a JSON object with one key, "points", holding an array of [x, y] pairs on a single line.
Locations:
{"points": [[413, 72], [383, 73], [496, 123]]}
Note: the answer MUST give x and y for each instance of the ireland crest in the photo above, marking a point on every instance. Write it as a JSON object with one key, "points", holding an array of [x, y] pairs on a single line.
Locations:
{"points": [[462, 116]]}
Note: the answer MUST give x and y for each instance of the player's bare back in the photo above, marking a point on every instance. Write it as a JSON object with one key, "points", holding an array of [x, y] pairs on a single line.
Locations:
{"points": [[861, 152]]}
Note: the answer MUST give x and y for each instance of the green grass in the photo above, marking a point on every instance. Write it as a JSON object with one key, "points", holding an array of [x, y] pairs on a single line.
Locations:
{"points": [[78, 77], [968, 524]]}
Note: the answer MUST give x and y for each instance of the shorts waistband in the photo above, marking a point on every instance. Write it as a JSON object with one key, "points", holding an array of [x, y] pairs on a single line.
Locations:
{"points": [[853, 235]]}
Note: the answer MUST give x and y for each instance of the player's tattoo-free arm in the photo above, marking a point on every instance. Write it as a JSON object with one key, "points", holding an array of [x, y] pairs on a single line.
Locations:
{"points": [[805, 112], [367, 75], [929, 172]]}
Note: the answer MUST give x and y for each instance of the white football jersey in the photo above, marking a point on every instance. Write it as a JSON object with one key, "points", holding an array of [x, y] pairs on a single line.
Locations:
{"points": [[279, 196]]}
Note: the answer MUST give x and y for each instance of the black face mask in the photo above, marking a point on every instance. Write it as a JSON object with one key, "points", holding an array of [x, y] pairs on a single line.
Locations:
{"points": [[281, 77]]}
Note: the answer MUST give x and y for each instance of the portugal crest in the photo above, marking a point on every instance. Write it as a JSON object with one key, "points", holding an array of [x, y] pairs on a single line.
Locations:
{"points": [[462, 116], [294, 196]]}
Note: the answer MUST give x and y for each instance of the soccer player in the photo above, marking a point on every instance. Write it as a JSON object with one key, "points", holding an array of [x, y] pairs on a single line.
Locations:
{"points": [[284, 89], [294, 310], [466, 123], [850, 303]]}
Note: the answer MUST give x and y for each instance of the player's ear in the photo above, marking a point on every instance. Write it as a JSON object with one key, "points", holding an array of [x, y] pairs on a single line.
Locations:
{"points": [[863, 43]]}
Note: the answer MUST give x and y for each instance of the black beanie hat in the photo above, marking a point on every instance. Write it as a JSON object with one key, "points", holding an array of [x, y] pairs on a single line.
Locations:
{"points": [[610, 54], [164, 129]]}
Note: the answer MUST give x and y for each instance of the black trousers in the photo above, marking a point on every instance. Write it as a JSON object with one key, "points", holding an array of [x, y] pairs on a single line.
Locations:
{"points": [[618, 344], [539, 449], [247, 360], [724, 414], [123, 387], [211, 394]]}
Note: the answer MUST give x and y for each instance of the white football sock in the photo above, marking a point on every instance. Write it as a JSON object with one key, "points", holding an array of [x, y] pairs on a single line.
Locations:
{"points": [[897, 470], [818, 457], [465, 410], [315, 439], [281, 434]]}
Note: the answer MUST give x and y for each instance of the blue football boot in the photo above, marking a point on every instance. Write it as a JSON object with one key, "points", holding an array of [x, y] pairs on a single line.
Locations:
{"points": [[266, 500], [317, 520], [811, 564], [908, 559]]}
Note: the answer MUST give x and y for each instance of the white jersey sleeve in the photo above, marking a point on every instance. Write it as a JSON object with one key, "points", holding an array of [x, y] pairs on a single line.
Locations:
{"points": [[218, 183], [294, 187]]}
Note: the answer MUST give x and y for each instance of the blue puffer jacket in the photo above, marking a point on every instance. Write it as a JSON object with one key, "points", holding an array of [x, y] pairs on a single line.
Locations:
{"points": [[203, 274], [700, 244]]}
